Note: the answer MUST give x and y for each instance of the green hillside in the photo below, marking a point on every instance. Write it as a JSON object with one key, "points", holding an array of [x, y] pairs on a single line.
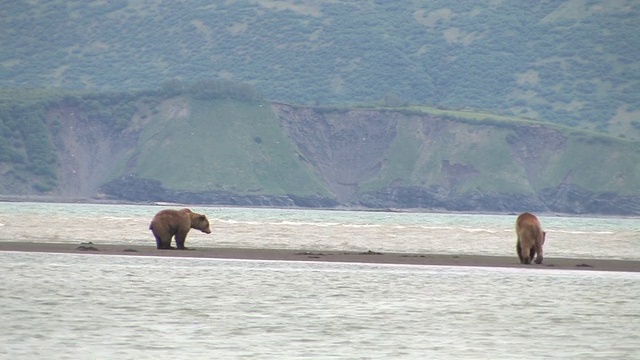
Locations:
{"points": [[200, 145], [483, 152], [220, 143], [574, 62]]}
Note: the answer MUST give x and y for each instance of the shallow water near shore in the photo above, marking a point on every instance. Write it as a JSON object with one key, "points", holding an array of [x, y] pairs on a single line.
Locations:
{"points": [[70, 306], [577, 237]]}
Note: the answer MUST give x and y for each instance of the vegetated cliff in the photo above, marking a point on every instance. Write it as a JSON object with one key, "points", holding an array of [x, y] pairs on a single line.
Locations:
{"points": [[391, 159], [259, 154]]}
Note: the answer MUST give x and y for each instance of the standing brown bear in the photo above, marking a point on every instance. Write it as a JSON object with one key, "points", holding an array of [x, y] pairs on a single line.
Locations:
{"points": [[167, 223], [530, 238]]}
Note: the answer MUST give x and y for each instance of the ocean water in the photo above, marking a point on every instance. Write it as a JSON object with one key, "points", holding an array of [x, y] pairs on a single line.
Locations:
{"points": [[76, 306]]}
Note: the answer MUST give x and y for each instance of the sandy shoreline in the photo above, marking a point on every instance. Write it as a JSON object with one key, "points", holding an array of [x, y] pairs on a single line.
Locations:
{"points": [[327, 256]]}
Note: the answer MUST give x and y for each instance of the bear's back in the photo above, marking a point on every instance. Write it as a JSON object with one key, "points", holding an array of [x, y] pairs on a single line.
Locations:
{"points": [[171, 218], [528, 227]]}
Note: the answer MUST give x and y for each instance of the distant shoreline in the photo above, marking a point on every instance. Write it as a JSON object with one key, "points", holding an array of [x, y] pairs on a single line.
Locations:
{"points": [[326, 256]]}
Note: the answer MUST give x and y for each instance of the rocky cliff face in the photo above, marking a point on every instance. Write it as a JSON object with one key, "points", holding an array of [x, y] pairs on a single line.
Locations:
{"points": [[88, 151], [346, 149]]}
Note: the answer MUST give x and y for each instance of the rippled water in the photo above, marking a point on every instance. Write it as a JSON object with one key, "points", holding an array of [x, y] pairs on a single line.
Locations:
{"points": [[327, 230], [69, 306], [80, 307]]}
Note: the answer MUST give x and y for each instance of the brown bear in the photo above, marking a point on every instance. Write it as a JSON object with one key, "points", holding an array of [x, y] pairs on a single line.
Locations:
{"points": [[167, 223], [531, 238]]}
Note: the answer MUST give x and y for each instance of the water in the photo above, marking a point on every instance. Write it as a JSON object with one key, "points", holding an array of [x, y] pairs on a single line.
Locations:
{"points": [[79, 306], [69, 306], [613, 238]]}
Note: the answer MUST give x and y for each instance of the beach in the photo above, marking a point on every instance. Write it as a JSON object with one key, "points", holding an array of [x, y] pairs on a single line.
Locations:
{"points": [[326, 256]]}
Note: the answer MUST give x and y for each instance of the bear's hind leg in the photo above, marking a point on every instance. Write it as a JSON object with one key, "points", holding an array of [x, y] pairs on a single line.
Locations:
{"points": [[180, 240], [163, 244], [519, 251], [167, 243], [160, 243]]}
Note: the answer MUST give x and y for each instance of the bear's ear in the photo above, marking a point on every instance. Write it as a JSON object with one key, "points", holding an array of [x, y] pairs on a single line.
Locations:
{"points": [[203, 217]]}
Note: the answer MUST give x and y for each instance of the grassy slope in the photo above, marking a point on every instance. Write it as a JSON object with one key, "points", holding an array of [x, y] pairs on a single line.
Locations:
{"points": [[223, 145], [415, 160], [591, 160], [598, 163]]}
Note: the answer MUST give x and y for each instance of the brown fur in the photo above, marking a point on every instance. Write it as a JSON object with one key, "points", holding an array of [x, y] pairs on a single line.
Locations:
{"points": [[167, 223], [531, 238]]}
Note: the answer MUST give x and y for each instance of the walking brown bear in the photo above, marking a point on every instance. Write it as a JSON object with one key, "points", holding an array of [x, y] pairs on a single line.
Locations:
{"points": [[167, 223], [530, 238]]}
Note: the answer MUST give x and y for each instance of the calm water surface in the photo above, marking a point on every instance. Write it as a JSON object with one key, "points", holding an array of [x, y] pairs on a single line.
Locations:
{"points": [[69, 306]]}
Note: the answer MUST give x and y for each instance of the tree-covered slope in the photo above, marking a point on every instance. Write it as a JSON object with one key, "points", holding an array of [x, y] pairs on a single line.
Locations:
{"points": [[574, 62]]}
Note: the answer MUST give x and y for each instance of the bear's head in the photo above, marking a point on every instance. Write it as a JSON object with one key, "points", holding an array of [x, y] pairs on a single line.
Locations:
{"points": [[201, 223]]}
